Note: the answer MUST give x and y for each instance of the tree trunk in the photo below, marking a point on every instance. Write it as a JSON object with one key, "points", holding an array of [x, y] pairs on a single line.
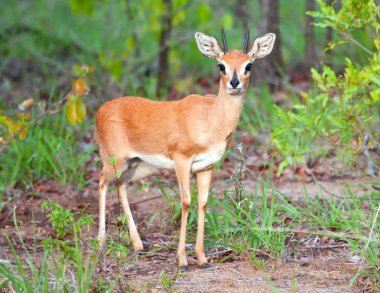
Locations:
{"points": [[310, 55], [163, 59], [266, 70], [241, 13]]}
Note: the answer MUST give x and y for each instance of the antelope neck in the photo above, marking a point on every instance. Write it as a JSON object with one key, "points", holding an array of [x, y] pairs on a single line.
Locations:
{"points": [[226, 111]]}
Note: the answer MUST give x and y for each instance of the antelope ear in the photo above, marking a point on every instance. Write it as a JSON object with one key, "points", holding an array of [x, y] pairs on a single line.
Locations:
{"points": [[209, 46], [262, 46]]}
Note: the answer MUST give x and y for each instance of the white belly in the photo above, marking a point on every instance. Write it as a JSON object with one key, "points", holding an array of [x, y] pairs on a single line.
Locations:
{"points": [[209, 158], [200, 161], [158, 161]]}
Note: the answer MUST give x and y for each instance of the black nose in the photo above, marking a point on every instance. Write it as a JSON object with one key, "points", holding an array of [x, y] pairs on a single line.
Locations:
{"points": [[234, 82]]}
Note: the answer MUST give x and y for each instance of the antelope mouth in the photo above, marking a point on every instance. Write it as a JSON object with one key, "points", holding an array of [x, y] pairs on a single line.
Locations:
{"points": [[235, 92]]}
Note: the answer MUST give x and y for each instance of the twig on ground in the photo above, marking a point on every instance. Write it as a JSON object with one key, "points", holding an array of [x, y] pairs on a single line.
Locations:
{"points": [[236, 272], [328, 246], [145, 200], [218, 253], [376, 187], [325, 190]]}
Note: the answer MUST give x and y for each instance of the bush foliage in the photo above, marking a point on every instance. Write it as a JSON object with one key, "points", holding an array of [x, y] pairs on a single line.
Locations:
{"points": [[343, 106]]}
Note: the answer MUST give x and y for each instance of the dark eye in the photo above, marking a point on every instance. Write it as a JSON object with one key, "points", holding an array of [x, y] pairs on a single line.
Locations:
{"points": [[222, 68], [248, 67]]}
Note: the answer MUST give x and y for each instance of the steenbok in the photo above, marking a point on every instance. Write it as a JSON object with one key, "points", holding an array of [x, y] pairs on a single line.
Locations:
{"points": [[189, 136]]}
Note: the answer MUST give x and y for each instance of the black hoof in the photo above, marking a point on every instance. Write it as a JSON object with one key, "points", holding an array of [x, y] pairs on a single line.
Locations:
{"points": [[183, 269], [142, 252], [206, 265], [146, 244], [145, 249]]}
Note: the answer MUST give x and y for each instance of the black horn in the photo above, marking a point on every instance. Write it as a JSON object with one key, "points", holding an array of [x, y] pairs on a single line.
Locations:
{"points": [[246, 41], [224, 42]]}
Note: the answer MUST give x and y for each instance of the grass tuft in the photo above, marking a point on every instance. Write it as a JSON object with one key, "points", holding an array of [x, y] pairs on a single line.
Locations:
{"points": [[51, 150]]}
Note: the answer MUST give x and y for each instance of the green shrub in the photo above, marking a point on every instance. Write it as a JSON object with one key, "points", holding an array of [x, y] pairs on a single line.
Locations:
{"points": [[346, 104]]}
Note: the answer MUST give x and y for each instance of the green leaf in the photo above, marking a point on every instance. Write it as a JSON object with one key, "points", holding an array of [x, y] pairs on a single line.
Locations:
{"points": [[204, 13], [82, 6], [283, 165], [75, 110], [112, 160], [179, 18], [375, 94], [71, 113], [227, 21], [80, 109]]}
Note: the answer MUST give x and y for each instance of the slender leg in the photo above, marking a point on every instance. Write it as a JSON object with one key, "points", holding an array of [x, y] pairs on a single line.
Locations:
{"points": [[182, 169], [103, 186], [133, 233], [204, 180]]}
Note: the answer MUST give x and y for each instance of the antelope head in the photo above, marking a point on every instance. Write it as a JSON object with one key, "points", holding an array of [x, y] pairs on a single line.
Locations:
{"points": [[235, 65]]}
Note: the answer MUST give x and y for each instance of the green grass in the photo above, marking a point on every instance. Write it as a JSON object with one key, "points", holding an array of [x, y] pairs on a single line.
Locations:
{"points": [[256, 219], [256, 222], [172, 198], [51, 150], [350, 219], [54, 270]]}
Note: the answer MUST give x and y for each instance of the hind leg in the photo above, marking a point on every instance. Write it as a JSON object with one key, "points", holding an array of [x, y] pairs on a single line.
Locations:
{"points": [[106, 176], [133, 233], [103, 186]]}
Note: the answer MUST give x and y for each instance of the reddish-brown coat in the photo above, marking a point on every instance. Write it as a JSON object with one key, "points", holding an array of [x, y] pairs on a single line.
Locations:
{"points": [[131, 124]]}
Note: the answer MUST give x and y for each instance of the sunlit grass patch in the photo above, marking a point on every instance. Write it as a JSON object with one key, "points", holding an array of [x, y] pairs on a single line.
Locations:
{"points": [[51, 150]]}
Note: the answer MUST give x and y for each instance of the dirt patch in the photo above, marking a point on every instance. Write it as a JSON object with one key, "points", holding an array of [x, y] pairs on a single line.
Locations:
{"points": [[243, 276]]}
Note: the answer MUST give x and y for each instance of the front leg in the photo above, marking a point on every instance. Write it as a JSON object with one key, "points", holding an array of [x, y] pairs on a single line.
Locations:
{"points": [[204, 180], [182, 169]]}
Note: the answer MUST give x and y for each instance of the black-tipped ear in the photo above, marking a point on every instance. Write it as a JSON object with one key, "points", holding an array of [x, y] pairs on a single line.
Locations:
{"points": [[209, 46], [262, 46]]}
